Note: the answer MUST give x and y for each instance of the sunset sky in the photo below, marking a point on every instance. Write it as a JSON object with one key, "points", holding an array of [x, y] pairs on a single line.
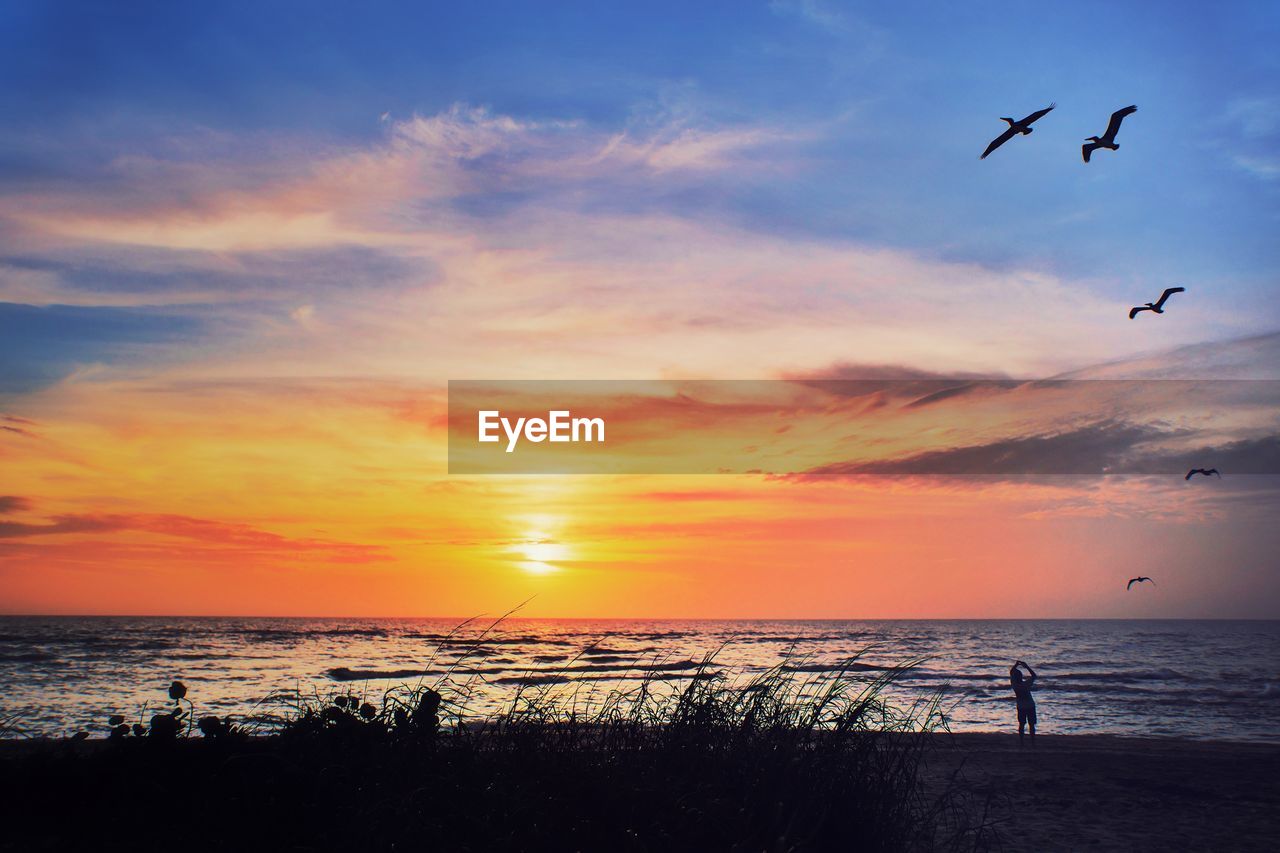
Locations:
{"points": [[244, 247]]}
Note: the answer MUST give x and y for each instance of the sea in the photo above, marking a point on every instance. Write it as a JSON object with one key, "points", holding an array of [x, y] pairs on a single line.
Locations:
{"points": [[1209, 680]]}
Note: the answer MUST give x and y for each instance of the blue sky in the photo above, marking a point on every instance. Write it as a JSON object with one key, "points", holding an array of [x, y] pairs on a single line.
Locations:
{"points": [[876, 114]]}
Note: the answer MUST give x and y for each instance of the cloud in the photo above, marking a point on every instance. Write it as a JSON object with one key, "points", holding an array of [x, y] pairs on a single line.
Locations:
{"points": [[40, 346], [1254, 126], [827, 16], [1256, 117], [1256, 357], [1266, 168], [16, 425], [96, 276], [226, 535], [1095, 449], [1108, 447], [62, 524], [13, 503], [473, 243], [696, 496], [370, 196]]}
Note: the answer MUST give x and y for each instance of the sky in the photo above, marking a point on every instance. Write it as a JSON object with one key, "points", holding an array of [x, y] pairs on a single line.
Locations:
{"points": [[244, 247]]}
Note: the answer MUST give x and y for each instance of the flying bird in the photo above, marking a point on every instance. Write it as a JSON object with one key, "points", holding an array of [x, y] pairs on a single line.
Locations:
{"points": [[1205, 471], [1158, 305], [1108, 139], [1139, 579], [1015, 128]]}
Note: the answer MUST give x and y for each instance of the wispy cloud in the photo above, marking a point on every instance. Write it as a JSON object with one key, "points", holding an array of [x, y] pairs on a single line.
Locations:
{"points": [[1266, 168], [13, 503], [233, 536]]}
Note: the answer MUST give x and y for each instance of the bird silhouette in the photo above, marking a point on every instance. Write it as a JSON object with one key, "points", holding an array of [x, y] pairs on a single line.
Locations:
{"points": [[1108, 139], [1138, 579], [1015, 128], [1158, 305], [1205, 471]]}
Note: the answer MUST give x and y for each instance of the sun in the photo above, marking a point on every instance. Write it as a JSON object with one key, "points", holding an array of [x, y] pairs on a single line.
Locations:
{"points": [[541, 557], [545, 552]]}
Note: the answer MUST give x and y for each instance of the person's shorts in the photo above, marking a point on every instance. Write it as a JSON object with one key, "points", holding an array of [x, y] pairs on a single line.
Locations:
{"points": [[1026, 714]]}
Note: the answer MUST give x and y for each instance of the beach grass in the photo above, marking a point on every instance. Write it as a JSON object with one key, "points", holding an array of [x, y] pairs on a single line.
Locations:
{"points": [[780, 760]]}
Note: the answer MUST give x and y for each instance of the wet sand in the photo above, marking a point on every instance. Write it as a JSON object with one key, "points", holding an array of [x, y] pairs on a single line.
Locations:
{"points": [[1098, 792]]}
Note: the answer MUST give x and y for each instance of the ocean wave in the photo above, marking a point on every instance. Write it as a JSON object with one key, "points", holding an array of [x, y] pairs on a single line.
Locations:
{"points": [[609, 651], [638, 667], [651, 636], [553, 678], [1122, 675], [1217, 678], [847, 666], [506, 641], [28, 657], [533, 679], [305, 633], [15, 638], [470, 651], [788, 639], [342, 673]]}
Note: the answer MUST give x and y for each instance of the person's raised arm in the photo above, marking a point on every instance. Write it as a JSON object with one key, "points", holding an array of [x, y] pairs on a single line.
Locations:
{"points": [[1029, 669]]}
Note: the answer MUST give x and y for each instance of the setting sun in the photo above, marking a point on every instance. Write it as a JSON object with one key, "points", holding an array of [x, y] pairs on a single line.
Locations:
{"points": [[541, 557]]}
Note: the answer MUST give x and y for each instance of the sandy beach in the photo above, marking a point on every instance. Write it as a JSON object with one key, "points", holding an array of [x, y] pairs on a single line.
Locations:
{"points": [[1081, 792], [1069, 793]]}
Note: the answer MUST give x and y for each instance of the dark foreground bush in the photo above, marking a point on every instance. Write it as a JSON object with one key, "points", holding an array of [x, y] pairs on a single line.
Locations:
{"points": [[775, 764]]}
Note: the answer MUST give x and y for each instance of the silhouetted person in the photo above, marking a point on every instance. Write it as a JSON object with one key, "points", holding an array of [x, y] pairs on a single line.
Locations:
{"points": [[1022, 687]]}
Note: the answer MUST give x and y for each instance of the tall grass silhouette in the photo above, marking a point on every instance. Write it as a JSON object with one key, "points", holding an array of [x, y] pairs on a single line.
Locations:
{"points": [[799, 757]]}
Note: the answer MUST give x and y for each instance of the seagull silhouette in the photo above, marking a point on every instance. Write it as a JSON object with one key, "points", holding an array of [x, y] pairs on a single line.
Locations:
{"points": [[1015, 127], [1158, 305], [1108, 139], [1205, 471], [1138, 579]]}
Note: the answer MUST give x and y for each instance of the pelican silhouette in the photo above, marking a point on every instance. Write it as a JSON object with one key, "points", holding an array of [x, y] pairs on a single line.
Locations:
{"points": [[1158, 305], [1138, 579], [1015, 128], [1108, 139], [1205, 471]]}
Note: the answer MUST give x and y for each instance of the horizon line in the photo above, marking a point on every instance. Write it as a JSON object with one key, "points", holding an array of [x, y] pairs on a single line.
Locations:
{"points": [[510, 617]]}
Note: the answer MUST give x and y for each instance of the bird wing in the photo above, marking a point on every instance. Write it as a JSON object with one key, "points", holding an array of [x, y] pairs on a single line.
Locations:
{"points": [[1038, 114], [1133, 312], [1153, 583], [1213, 471], [997, 142], [1087, 149], [1168, 291], [1132, 581], [1190, 474], [1113, 126]]}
